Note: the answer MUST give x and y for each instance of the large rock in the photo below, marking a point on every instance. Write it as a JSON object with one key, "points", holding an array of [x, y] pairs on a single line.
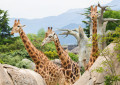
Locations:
{"points": [[92, 77], [4, 77], [10, 75]]}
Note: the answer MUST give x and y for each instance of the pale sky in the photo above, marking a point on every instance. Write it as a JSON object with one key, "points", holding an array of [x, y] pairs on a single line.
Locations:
{"points": [[42, 8]]}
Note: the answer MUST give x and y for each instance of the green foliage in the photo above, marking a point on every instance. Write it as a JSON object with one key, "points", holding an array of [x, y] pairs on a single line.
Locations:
{"points": [[4, 28], [14, 58], [73, 57], [11, 60], [17, 45], [112, 14], [1, 61], [87, 29], [23, 64], [115, 37], [41, 33], [51, 54], [99, 69], [110, 79]]}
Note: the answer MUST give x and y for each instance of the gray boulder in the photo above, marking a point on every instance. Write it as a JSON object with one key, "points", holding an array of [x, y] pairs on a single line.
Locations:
{"points": [[10, 75]]}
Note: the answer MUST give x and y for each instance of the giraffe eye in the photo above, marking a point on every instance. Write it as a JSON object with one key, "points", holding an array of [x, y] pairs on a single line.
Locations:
{"points": [[18, 26], [50, 36]]}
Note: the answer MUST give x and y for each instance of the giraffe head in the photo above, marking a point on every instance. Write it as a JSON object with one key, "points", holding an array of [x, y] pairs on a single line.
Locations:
{"points": [[49, 36], [16, 27], [94, 13]]}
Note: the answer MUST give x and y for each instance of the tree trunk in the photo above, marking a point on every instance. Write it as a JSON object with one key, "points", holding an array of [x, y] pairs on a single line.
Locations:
{"points": [[83, 43]]}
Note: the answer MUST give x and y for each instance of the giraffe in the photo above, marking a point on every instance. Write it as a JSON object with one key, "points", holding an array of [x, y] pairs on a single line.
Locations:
{"points": [[71, 69], [52, 74], [95, 51]]}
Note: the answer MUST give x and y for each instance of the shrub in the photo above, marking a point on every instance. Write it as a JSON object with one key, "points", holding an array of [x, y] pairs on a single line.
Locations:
{"points": [[14, 57], [51, 54], [11, 47], [1, 61], [73, 57], [23, 64]]}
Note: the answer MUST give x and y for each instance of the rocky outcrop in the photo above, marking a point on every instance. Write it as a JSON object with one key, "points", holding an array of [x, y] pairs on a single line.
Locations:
{"points": [[10, 75], [91, 77]]}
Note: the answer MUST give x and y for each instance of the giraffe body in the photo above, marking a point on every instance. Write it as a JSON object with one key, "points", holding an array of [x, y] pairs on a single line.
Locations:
{"points": [[94, 53], [71, 69], [52, 74]]}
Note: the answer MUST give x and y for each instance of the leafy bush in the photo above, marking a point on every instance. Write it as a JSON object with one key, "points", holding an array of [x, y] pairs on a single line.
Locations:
{"points": [[1, 61], [73, 57], [14, 57], [51, 55], [10, 60], [23, 64], [11, 47], [112, 14], [110, 79]]}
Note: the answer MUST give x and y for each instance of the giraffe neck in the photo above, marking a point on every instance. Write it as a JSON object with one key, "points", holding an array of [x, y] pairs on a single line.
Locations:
{"points": [[94, 53], [31, 49], [63, 55]]}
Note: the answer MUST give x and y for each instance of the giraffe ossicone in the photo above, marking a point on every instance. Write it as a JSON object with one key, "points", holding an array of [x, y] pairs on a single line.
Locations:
{"points": [[52, 74], [71, 69]]}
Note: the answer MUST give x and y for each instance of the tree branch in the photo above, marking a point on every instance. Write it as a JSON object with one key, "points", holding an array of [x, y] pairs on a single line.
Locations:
{"points": [[70, 32], [103, 8], [76, 30], [85, 14], [86, 22], [110, 19]]}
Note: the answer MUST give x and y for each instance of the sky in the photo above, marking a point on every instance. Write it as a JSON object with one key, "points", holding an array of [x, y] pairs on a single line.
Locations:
{"points": [[31, 9]]}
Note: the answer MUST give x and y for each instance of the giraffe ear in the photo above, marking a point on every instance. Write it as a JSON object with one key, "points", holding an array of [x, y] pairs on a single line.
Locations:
{"points": [[91, 8], [95, 8]]}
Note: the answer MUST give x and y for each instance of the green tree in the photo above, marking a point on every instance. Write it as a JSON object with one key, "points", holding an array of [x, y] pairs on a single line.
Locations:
{"points": [[112, 14], [41, 33], [87, 23], [4, 27]]}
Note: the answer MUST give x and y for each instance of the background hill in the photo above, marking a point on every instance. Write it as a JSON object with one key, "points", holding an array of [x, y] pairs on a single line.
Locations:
{"points": [[70, 19]]}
